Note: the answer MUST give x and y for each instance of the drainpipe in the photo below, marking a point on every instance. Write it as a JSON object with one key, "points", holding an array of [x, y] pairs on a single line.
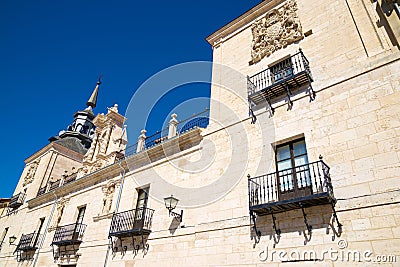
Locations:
{"points": [[45, 230], [121, 186]]}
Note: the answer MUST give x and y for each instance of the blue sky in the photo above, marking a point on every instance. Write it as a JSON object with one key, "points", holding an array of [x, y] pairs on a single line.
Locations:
{"points": [[51, 53]]}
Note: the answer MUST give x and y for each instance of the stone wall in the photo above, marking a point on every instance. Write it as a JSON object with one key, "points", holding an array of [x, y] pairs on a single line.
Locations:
{"points": [[354, 123]]}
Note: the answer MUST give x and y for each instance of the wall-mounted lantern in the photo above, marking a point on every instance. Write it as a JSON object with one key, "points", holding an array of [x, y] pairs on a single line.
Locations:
{"points": [[12, 240], [170, 204]]}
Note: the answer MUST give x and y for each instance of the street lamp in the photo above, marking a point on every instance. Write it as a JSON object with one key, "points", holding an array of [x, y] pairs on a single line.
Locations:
{"points": [[170, 204], [12, 240]]}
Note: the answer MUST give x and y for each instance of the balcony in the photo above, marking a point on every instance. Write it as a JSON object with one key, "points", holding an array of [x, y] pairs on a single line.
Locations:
{"points": [[131, 223], [281, 191], [53, 185], [280, 80], [70, 178], [16, 201], [28, 242], [200, 120], [69, 234], [296, 188], [41, 191], [27, 246]]}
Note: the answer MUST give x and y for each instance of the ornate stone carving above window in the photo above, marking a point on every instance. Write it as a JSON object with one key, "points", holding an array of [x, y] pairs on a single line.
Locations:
{"points": [[30, 175], [108, 191], [108, 199], [109, 139], [61, 203], [277, 29]]}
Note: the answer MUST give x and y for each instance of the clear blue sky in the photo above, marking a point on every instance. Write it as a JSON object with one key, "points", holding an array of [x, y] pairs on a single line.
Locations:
{"points": [[51, 53]]}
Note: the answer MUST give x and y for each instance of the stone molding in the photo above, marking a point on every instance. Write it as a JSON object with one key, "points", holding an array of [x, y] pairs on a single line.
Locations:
{"points": [[102, 217]]}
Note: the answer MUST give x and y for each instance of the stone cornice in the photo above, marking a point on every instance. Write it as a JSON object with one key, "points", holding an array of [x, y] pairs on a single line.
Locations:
{"points": [[215, 38], [84, 182], [57, 147], [183, 141]]}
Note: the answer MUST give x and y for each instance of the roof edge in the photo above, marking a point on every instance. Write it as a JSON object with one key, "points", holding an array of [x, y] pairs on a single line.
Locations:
{"points": [[59, 148], [258, 10]]}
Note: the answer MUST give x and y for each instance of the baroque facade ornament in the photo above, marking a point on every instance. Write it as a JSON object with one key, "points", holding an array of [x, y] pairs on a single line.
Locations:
{"points": [[61, 203], [30, 175], [108, 195], [277, 29]]}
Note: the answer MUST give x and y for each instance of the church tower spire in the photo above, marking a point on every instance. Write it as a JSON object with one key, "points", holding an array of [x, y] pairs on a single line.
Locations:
{"points": [[93, 98], [79, 134]]}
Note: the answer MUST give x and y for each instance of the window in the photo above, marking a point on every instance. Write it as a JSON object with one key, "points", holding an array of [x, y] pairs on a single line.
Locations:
{"points": [[3, 208], [143, 195], [40, 226], [141, 203], [293, 172], [3, 236], [282, 70], [39, 229], [79, 228], [81, 214]]}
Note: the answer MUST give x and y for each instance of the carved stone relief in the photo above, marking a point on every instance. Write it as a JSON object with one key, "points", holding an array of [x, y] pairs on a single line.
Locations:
{"points": [[96, 166], [61, 203], [108, 191], [277, 29], [82, 171], [30, 175], [103, 150]]}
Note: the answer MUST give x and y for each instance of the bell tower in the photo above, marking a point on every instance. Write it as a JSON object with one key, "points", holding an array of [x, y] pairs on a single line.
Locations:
{"points": [[79, 134]]}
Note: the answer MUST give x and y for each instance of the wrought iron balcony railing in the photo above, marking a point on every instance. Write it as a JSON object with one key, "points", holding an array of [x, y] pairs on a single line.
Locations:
{"points": [[54, 185], [70, 178], [157, 138], [309, 184], [28, 242], [279, 80], [69, 234], [200, 120], [41, 191], [131, 222], [296, 188], [27, 245], [17, 200]]}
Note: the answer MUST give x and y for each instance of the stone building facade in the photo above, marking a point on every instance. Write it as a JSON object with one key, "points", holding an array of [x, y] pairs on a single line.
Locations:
{"points": [[299, 162]]}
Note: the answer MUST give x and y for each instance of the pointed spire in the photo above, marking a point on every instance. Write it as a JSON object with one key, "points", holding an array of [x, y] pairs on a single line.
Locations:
{"points": [[93, 98]]}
